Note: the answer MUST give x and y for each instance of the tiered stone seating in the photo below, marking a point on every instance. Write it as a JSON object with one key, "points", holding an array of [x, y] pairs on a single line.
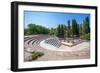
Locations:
{"points": [[26, 38], [29, 41], [31, 44], [54, 41]]}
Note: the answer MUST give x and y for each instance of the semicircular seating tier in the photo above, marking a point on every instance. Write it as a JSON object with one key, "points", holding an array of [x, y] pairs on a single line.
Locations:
{"points": [[32, 43]]}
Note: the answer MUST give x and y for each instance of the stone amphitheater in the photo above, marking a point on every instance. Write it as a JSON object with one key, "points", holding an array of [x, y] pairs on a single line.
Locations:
{"points": [[53, 49]]}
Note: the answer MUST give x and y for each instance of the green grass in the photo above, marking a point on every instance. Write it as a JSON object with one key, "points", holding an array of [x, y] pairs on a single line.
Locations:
{"points": [[36, 54]]}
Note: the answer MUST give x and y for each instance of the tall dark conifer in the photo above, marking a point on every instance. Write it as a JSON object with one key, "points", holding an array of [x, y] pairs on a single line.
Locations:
{"points": [[86, 25], [68, 29], [75, 28]]}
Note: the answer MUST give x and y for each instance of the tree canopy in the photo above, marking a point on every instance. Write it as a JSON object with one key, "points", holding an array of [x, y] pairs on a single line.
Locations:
{"points": [[36, 29], [72, 29]]}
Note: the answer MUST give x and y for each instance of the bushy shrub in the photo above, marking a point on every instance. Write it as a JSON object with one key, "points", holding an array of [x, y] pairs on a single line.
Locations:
{"points": [[86, 36], [36, 55]]}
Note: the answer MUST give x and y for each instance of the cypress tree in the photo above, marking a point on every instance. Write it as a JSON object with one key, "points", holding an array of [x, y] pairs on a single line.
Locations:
{"points": [[75, 28], [86, 25], [68, 29], [58, 30], [80, 30]]}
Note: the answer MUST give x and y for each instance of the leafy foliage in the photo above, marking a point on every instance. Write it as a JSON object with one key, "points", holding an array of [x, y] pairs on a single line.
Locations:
{"points": [[36, 55], [61, 31], [36, 29], [68, 29], [86, 36], [75, 28], [53, 31], [72, 29], [86, 27], [80, 29]]}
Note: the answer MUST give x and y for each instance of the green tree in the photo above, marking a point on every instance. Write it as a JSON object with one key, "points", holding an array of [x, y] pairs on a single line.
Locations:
{"points": [[86, 27], [37, 29], [75, 28], [30, 28], [80, 29], [52, 31], [59, 30], [65, 32], [68, 29], [25, 31]]}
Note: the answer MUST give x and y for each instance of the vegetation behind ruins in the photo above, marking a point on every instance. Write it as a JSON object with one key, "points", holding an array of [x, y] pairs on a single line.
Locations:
{"points": [[71, 29]]}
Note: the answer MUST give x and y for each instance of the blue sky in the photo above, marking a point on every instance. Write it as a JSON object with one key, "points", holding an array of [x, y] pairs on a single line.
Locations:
{"points": [[51, 19]]}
